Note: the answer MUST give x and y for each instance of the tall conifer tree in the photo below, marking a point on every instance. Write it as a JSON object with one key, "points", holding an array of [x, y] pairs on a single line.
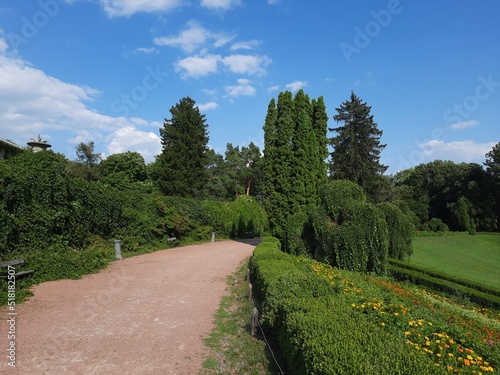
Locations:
{"points": [[294, 154], [305, 154], [357, 148], [183, 162], [320, 127]]}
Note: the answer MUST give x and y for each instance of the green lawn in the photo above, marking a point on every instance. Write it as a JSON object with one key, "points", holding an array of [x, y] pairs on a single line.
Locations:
{"points": [[475, 258]]}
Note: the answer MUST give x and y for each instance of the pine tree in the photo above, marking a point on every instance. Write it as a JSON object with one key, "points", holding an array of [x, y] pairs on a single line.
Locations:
{"points": [[357, 148], [183, 162]]}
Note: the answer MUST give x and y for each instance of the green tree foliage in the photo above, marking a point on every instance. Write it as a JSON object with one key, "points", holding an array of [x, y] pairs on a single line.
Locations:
{"points": [[216, 186], [40, 204], [294, 151], [346, 231], [320, 127], [401, 231], [235, 171], [338, 195], [238, 173], [87, 161], [253, 173], [492, 164], [432, 190], [278, 135], [122, 170], [356, 146], [182, 165]]}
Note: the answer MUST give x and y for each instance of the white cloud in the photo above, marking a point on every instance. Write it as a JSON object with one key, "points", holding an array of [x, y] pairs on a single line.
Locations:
{"points": [[145, 50], [210, 92], [247, 64], [126, 8], [197, 66], [296, 85], [248, 45], [3, 45], [459, 151], [273, 88], [129, 138], [208, 106], [242, 88], [32, 102], [464, 124], [219, 4], [194, 37]]}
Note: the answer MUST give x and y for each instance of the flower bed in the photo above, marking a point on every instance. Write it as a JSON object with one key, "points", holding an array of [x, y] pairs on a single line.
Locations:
{"points": [[321, 318]]}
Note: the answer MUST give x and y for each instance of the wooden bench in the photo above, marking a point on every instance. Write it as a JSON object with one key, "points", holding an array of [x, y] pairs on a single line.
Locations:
{"points": [[173, 241], [13, 263]]}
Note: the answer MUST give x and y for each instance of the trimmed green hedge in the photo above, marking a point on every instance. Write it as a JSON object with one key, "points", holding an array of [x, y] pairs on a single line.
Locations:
{"points": [[318, 333], [446, 286], [481, 287]]}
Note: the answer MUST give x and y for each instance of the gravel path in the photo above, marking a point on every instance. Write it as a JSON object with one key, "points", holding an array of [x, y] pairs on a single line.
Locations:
{"points": [[141, 315]]}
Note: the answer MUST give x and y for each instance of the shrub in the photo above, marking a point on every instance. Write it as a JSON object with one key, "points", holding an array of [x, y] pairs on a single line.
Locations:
{"points": [[317, 330], [250, 216], [338, 195], [401, 231], [437, 225]]}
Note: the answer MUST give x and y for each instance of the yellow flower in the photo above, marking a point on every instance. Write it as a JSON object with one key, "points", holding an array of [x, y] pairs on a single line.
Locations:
{"points": [[450, 354]]}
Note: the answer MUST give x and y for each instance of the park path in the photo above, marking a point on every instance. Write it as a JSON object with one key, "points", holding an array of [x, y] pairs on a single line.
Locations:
{"points": [[141, 315]]}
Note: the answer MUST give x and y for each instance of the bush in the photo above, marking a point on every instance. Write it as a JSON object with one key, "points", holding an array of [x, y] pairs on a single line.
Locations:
{"points": [[401, 231], [318, 333], [437, 225], [294, 241], [445, 286], [338, 195], [250, 216]]}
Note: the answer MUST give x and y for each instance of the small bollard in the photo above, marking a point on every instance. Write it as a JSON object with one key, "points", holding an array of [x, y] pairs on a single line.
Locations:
{"points": [[118, 250], [254, 320], [213, 236], [250, 292], [248, 274]]}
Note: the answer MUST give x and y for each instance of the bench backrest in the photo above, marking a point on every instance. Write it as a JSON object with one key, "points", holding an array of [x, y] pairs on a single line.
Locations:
{"points": [[13, 262]]}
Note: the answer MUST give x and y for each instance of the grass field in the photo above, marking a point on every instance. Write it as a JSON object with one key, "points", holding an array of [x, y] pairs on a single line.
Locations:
{"points": [[475, 258]]}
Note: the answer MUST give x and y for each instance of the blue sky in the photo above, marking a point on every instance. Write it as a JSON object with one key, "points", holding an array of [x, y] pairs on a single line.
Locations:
{"points": [[108, 71]]}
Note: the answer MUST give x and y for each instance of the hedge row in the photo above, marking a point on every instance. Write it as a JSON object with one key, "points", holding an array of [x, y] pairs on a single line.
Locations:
{"points": [[481, 287], [446, 286], [318, 333]]}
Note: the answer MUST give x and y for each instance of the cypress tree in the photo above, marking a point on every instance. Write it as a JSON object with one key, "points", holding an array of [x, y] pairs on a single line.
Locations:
{"points": [[282, 198], [357, 148], [320, 127], [295, 147], [305, 155], [184, 159]]}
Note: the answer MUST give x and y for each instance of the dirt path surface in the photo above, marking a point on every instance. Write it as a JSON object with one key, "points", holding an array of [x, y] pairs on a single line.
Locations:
{"points": [[142, 315]]}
